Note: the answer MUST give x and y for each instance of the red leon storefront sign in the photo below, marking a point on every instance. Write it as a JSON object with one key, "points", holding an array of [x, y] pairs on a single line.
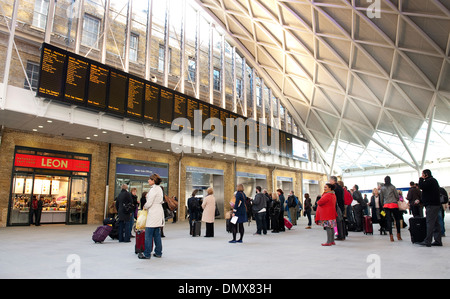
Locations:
{"points": [[45, 162]]}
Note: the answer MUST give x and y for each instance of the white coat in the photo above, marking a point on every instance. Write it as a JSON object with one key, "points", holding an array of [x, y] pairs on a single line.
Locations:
{"points": [[153, 205]]}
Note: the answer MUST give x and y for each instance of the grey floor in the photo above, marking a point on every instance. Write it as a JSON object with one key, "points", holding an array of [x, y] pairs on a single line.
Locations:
{"points": [[61, 251]]}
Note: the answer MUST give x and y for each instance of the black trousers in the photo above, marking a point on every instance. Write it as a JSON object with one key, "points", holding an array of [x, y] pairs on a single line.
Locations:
{"points": [[209, 229]]}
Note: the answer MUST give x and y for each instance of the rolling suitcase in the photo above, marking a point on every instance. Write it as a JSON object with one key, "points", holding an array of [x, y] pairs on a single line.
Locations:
{"points": [[367, 225], [287, 223], [140, 241], [196, 228], [418, 229], [101, 233]]}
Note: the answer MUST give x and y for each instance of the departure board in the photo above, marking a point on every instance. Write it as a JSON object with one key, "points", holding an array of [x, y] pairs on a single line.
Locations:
{"points": [[166, 107], [136, 92], [117, 92], [192, 105], [75, 87], [78, 80], [151, 102], [98, 80], [179, 107], [52, 71]]}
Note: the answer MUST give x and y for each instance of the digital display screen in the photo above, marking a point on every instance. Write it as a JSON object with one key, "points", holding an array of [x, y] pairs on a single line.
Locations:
{"points": [[77, 70], [151, 102], [136, 92], [166, 107], [71, 78], [51, 73]]}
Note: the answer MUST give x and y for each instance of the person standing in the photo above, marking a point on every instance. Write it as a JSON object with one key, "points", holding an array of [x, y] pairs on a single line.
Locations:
{"points": [[275, 210], [431, 201], [326, 212], [155, 218], [259, 211], [209, 209], [292, 205], [194, 210], [414, 197], [240, 211], [358, 206], [281, 199], [307, 212], [389, 197], [36, 210], [124, 206]]}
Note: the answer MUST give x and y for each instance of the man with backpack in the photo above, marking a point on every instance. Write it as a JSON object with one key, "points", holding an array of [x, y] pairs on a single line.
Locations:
{"points": [[292, 204]]}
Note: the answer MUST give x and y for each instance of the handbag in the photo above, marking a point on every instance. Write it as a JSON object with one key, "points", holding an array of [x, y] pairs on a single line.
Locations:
{"points": [[141, 219], [217, 212], [403, 205]]}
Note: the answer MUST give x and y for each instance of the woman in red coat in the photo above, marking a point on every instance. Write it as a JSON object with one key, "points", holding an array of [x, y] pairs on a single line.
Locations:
{"points": [[326, 213]]}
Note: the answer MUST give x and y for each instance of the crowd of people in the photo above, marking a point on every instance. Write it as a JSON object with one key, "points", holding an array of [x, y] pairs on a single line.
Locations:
{"points": [[338, 210]]}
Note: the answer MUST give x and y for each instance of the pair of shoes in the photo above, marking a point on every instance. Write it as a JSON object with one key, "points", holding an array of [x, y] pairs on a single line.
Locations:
{"points": [[239, 241], [399, 237], [232, 241], [436, 244], [424, 244], [328, 244], [155, 255], [391, 237], [308, 227], [142, 256]]}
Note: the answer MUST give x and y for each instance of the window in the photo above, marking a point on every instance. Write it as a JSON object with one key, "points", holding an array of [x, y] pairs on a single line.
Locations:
{"points": [[161, 58], [238, 87], [91, 30], [216, 79], [134, 45], [191, 69], [40, 13], [32, 74]]}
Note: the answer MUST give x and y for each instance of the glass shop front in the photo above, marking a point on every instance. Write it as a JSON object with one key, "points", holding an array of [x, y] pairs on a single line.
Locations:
{"points": [[49, 186]]}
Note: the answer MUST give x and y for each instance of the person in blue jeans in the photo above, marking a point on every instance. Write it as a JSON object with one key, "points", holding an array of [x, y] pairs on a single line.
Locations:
{"points": [[155, 218]]}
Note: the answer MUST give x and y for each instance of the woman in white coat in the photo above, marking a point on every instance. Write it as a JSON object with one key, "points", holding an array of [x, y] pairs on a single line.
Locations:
{"points": [[209, 212], [155, 218]]}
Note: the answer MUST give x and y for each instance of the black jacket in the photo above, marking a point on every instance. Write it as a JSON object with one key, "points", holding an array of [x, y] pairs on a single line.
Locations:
{"points": [[430, 191], [123, 199]]}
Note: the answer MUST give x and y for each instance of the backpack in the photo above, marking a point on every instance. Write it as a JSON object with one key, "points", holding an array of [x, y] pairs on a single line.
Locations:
{"points": [[443, 195], [291, 202]]}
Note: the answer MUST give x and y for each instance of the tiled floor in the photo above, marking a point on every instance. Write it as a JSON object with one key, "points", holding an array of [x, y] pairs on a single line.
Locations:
{"points": [[61, 251]]}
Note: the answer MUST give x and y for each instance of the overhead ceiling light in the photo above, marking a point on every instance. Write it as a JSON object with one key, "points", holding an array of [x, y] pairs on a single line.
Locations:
{"points": [[49, 121], [95, 135], [88, 137], [104, 132], [40, 127], [34, 130]]}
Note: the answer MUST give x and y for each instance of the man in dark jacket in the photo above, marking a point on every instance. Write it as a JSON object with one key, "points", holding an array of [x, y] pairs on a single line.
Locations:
{"points": [[124, 206], [432, 203], [414, 197], [259, 211]]}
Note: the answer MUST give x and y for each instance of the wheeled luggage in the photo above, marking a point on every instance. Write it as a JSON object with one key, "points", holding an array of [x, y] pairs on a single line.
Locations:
{"points": [[418, 229], [287, 223], [101, 233], [367, 225], [196, 228], [140, 241]]}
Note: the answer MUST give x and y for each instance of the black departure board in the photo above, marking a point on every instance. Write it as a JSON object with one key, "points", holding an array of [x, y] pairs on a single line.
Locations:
{"points": [[192, 105], [74, 79], [151, 102], [51, 73], [98, 80], [117, 92], [179, 107], [166, 107], [136, 92]]}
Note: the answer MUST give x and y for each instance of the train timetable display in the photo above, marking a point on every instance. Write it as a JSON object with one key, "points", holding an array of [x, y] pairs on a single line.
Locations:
{"points": [[75, 87], [136, 91], [98, 79], [51, 72], [78, 80]]}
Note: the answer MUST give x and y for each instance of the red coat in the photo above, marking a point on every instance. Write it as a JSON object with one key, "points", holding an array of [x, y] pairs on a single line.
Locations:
{"points": [[348, 198], [326, 207]]}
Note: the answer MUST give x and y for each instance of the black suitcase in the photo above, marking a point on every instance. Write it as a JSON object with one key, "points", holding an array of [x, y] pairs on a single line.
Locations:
{"points": [[418, 229], [196, 228]]}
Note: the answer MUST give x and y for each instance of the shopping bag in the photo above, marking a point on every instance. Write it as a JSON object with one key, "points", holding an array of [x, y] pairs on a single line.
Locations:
{"points": [[141, 219]]}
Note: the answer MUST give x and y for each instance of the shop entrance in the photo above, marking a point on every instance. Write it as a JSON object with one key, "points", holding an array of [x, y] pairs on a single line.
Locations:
{"points": [[49, 186], [62, 199]]}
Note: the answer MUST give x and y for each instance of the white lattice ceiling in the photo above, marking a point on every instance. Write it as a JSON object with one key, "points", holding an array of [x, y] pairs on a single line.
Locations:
{"points": [[352, 75]]}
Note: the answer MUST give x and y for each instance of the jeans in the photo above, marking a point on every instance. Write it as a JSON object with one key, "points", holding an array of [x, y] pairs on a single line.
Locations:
{"points": [[261, 222], [153, 234], [308, 214], [124, 231]]}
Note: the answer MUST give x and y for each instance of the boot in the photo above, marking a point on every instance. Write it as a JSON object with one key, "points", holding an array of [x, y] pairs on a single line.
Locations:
{"points": [[399, 237], [392, 237]]}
